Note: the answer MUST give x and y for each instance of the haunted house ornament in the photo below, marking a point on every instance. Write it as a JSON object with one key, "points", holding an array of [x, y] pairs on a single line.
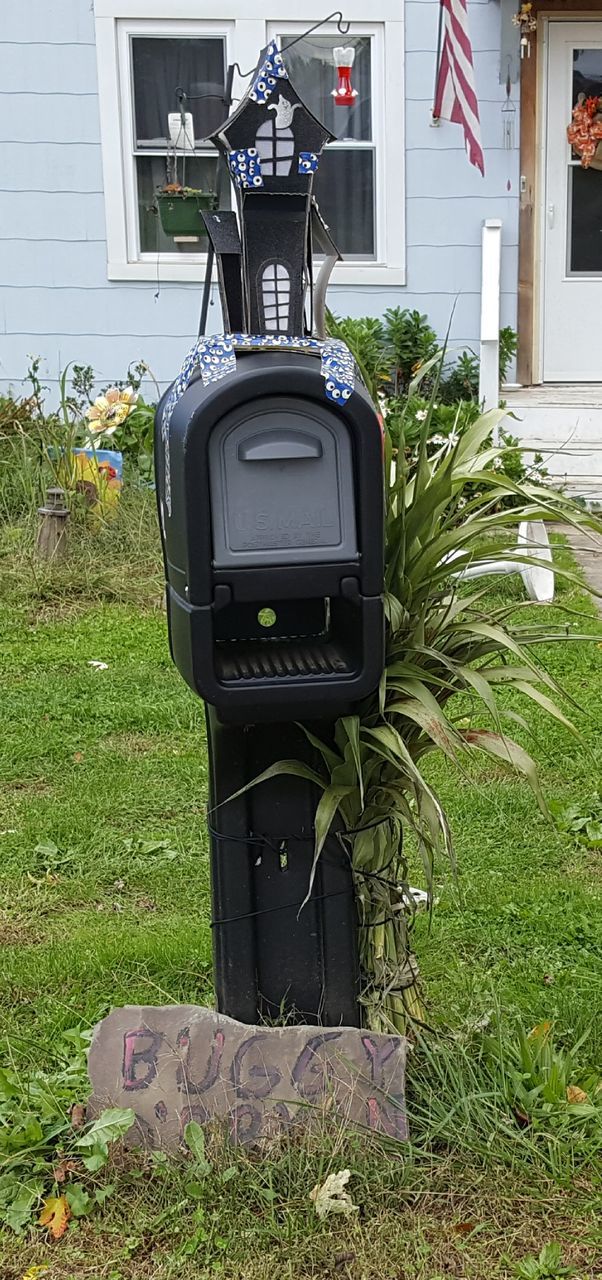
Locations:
{"points": [[272, 145]]}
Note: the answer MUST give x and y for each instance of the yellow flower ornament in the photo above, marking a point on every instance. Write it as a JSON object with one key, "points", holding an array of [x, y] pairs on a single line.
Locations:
{"points": [[110, 410]]}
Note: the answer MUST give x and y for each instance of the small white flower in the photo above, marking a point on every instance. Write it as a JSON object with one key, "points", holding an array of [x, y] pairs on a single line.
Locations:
{"points": [[421, 415], [453, 438], [98, 666], [331, 1197], [439, 439]]}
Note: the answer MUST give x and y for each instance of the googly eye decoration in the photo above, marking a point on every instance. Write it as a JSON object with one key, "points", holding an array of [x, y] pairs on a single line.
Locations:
{"points": [[338, 369], [245, 167], [308, 162], [271, 70]]}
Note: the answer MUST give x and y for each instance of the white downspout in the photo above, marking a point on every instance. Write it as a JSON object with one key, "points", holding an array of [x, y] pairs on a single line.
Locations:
{"points": [[489, 368]]}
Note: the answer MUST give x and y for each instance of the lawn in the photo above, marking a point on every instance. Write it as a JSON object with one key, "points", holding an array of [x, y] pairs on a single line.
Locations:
{"points": [[104, 900]]}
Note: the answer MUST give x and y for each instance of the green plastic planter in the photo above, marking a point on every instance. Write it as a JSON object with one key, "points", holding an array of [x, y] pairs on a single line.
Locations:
{"points": [[180, 213]]}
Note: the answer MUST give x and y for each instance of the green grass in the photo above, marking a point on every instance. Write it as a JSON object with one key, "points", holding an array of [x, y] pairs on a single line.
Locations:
{"points": [[91, 761]]}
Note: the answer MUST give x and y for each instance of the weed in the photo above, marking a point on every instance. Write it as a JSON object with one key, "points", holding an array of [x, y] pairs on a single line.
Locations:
{"points": [[547, 1266], [581, 819], [44, 1141]]}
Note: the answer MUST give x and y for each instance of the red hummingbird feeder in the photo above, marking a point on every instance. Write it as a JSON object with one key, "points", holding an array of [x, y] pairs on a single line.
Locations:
{"points": [[344, 95]]}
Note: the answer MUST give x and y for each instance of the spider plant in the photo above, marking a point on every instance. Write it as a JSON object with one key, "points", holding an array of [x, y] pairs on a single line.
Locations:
{"points": [[443, 513]]}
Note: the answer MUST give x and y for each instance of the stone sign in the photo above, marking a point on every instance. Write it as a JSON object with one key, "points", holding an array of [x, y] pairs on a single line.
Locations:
{"points": [[182, 1062]]}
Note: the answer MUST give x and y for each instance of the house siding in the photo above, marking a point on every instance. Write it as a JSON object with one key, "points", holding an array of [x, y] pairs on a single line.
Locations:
{"points": [[55, 299]]}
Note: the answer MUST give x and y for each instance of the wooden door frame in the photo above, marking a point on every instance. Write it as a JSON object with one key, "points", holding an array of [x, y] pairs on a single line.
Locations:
{"points": [[532, 181]]}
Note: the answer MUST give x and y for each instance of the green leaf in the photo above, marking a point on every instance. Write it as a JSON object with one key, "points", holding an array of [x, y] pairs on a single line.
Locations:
{"points": [[433, 722], [351, 726], [326, 812], [509, 752], [112, 1124], [78, 1199], [194, 1138], [18, 1212], [530, 691], [292, 768], [330, 757], [96, 1159], [8, 1086], [102, 1194]]}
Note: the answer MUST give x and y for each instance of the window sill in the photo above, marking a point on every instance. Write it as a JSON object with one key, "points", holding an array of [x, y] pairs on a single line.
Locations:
{"points": [[346, 273]]}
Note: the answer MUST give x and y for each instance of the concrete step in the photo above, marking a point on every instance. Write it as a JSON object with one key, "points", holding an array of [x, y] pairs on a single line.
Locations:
{"points": [[563, 421]]}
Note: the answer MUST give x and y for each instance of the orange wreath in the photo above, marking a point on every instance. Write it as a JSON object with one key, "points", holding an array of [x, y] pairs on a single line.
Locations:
{"points": [[585, 131]]}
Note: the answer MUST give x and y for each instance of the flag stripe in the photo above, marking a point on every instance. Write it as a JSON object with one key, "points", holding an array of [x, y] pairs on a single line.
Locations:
{"points": [[455, 92]]}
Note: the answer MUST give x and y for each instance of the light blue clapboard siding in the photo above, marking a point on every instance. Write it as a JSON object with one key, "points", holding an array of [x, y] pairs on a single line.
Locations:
{"points": [[464, 264], [34, 68], [123, 309], [52, 263], [440, 175], [54, 215], [51, 166], [57, 301], [109, 356], [65, 22], [448, 221], [49, 117]]}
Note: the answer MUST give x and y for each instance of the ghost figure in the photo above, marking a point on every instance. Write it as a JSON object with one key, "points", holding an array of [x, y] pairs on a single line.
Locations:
{"points": [[284, 112]]}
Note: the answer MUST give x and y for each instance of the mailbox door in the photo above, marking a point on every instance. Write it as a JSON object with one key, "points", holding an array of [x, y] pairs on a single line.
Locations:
{"points": [[282, 485]]}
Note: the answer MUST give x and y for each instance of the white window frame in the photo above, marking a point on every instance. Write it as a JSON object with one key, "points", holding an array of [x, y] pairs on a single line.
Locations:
{"points": [[246, 30]]}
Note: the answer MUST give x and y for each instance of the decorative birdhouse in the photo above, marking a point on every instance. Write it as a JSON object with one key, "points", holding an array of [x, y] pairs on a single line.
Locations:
{"points": [[272, 144]]}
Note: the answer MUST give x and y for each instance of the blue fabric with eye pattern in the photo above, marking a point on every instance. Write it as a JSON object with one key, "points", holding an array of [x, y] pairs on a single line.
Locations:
{"points": [[245, 167], [308, 162], [270, 72]]}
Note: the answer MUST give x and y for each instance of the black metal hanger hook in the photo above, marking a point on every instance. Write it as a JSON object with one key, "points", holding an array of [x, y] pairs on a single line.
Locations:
{"points": [[343, 29], [182, 97]]}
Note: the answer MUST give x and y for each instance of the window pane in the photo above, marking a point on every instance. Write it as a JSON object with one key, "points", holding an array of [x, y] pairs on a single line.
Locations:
{"points": [[344, 189], [160, 66], [314, 76], [587, 73], [199, 172], [585, 219]]}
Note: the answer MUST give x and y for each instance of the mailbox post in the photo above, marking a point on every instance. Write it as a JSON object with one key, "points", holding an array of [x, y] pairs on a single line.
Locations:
{"points": [[270, 490]]}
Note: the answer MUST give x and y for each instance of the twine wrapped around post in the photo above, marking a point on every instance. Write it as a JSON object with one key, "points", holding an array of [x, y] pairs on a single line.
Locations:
{"points": [[52, 534]]}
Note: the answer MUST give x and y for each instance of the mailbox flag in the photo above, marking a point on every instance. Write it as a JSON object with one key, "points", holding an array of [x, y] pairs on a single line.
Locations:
{"points": [[455, 90]]}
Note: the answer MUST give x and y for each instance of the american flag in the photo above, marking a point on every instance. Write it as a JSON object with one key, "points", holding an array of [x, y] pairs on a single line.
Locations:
{"points": [[455, 90]]}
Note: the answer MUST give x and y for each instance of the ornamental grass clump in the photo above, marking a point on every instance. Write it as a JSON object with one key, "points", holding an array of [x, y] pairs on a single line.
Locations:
{"points": [[445, 511]]}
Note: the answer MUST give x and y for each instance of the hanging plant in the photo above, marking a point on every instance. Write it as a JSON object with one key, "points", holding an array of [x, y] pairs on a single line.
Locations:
{"points": [[180, 209], [585, 131]]}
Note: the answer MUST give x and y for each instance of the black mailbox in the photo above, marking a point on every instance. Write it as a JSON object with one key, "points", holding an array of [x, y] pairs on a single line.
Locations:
{"points": [[271, 501]]}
